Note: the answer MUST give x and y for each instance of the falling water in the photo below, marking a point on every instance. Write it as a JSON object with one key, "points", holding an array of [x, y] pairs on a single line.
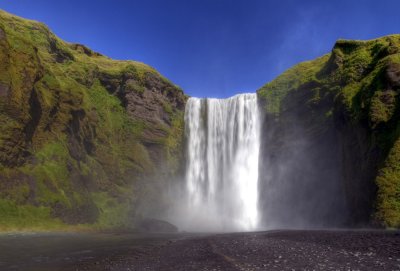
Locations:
{"points": [[222, 162]]}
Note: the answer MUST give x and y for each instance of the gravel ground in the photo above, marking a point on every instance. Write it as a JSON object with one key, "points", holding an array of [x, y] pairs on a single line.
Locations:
{"points": [[278, 250]]}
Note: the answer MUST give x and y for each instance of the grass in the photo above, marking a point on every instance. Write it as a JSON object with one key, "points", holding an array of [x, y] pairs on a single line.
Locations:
{"points": [[113, 214], [19, 217], [275, 92]]}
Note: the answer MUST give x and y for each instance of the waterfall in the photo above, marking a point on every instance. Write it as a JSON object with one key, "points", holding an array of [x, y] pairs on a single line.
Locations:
{"points": [[223, 138]]}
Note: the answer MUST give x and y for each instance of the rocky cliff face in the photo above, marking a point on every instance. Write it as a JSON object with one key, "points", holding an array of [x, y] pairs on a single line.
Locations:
{"points": [[84, 138], [340, 114]]}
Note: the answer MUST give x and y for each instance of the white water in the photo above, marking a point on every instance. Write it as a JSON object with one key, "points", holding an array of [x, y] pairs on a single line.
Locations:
{"points": [[223, 138]]}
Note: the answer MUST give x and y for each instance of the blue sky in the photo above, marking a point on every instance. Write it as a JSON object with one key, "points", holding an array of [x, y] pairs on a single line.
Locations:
{"points": [[213, 48]]}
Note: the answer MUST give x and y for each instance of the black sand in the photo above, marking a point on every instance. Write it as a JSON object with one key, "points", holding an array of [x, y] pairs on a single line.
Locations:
{"points": [[278, 250]]}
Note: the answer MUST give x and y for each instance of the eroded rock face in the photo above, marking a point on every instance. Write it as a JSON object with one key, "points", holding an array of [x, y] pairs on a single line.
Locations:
{"points": [[152, 102], [300, 172], [358, 163], [392, 74], [2, 34], [4, 90], [149, 98]]}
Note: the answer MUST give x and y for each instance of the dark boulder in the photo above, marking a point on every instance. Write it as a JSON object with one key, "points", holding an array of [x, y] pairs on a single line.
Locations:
{"points": [[155, 225]]}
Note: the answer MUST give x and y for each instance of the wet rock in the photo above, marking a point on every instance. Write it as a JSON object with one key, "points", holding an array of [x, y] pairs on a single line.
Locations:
{"points": [[2, 34], [156, 225], [4, 89], [393, 75]]}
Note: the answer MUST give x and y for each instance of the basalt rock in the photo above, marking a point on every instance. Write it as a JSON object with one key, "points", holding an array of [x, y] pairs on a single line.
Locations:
{"points": [[155, 225]]}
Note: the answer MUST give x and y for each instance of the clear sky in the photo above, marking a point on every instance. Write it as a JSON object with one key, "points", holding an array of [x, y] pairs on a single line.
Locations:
{"points": [[213, 48]]}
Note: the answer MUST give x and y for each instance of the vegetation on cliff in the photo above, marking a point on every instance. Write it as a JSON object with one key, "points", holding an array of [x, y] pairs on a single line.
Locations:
{"points": [[84, 138], [355, 89]]}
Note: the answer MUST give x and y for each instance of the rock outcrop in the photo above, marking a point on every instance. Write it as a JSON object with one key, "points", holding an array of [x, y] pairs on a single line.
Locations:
{"points": [[337, 124]]}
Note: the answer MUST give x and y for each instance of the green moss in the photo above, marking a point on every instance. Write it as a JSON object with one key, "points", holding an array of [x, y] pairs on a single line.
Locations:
{"points": [[388, 181], [174, 143], [19, 217], [135, 87], [383, 105], [168, 108], [113, 214], [51, 174], [275, 92]]}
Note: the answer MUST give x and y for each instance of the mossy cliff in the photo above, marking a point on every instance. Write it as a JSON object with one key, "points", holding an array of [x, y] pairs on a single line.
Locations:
{"points": [[343, 111], [84, 138]]}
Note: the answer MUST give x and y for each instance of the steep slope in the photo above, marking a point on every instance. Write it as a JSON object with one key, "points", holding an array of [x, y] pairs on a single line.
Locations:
{"points": [[341, 114], [84, 138]]}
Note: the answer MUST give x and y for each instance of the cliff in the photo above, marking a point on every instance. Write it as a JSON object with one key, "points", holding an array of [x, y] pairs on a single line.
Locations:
{"points": [[85, 140], [340, 115], [91, 142]]}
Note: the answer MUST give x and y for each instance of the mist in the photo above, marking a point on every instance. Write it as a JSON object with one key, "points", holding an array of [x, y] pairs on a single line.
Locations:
{"points": [[247, 171], [301, 177]]}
